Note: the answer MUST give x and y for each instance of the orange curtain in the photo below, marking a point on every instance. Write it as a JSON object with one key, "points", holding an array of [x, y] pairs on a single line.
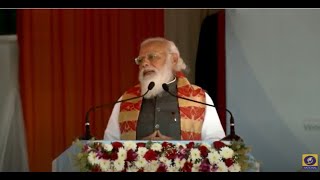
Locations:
{"points": [[71, 60]]}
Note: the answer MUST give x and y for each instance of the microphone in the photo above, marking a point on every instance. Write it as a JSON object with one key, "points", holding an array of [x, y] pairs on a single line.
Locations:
{"points": [[231, 136], [87, 135]]}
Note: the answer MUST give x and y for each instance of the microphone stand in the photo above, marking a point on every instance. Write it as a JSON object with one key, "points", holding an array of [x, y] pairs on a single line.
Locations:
{"points": [[232, 136], [87, 135]]}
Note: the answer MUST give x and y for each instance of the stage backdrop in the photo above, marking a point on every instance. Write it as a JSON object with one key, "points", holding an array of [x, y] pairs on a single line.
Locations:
{"points": [[273, 83]]}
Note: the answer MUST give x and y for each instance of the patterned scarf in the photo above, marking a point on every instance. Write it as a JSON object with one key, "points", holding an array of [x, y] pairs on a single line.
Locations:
{"points": [[191, 114]]}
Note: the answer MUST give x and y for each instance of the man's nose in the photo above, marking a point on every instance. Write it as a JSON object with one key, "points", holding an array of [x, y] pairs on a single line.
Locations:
{"points": [[145, 63]]}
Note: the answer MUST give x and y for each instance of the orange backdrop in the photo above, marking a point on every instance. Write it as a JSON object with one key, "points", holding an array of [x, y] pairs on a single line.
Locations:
{"points": [[71, 60]]}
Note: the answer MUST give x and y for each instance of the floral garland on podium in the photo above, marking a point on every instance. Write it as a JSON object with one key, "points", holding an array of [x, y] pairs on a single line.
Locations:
{"points": [[134, 156]]}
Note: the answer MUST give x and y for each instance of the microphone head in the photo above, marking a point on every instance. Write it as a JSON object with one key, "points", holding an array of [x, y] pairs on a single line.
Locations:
{"points": [[151, 85], [165, 87]]}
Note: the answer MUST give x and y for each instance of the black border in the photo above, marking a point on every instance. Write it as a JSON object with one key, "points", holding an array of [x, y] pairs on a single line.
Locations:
{"points": [[189, 4], [162, 176]]}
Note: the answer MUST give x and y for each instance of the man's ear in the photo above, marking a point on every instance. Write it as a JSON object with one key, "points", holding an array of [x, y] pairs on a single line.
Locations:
{"points": [[175, 58]]}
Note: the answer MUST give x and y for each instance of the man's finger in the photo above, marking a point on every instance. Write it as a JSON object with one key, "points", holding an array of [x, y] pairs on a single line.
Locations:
{"points": [[163, 137], [151, 136]]}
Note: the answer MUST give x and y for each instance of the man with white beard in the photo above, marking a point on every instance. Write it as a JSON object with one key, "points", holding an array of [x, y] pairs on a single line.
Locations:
{"points": [[159, 115]]}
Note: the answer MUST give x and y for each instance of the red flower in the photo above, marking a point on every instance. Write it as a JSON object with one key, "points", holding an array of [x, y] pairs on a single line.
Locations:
{"points": [[150, 155], [204, 166], [105, 156], [171, 154], [141, 145], [125, 166], [204, 151], [117, 145], [166, 145], [85, 148], [218, 145], [190, 145], [114, 156], [96, 168], [169, 150], [187, 167], [161, 168], [131, 155], [229, 162]]}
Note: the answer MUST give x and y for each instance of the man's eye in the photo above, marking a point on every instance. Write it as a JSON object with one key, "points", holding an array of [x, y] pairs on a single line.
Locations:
{"points": [[152, 56]]}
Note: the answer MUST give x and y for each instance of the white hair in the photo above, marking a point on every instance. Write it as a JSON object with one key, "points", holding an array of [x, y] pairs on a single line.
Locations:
{"points": [[161, 76], [172, 48]]}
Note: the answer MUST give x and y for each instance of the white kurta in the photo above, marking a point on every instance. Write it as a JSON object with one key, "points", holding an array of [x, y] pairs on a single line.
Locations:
{"points": [[211, 129]]}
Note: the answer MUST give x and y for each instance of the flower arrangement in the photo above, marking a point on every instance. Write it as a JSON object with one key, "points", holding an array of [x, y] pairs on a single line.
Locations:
{"points": [[134, 156]]}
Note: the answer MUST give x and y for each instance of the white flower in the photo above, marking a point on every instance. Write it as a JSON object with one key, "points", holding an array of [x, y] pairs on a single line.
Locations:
{"points": [[179, 144], [122, 154], [118, 165], [108, 147], [156, 147], [132, 169], [152, 166], [92, 158], [195, 167], [165, 160], [130, 145], [195, 154], [222, 167], [172, 169], [235, 167], [104, 164], [142, 151], [179, 163], [141, 162], [226, 152], [214, 157]]}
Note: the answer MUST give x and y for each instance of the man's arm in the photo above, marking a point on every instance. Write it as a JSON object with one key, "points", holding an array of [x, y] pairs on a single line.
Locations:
{"points": [[112, 131], [212, 129]]}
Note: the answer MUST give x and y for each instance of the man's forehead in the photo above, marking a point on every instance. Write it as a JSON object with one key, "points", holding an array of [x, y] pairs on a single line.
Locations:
{"points": [[154, 45]]}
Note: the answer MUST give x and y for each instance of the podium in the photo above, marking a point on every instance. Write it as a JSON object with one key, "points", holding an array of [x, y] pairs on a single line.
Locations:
{"points": [[66, 161]]}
